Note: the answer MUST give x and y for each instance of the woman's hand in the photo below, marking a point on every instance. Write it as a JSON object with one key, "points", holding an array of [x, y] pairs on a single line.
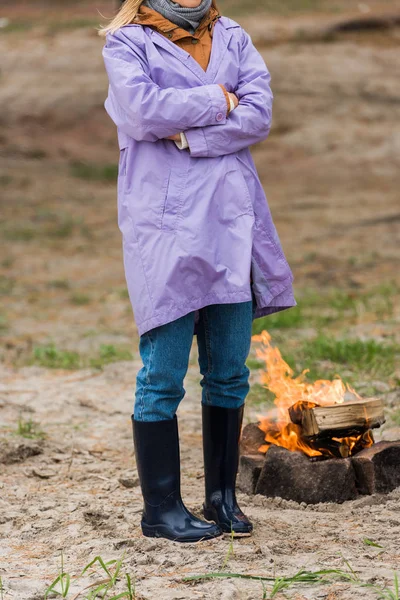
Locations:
{"points": [[175, 138]]}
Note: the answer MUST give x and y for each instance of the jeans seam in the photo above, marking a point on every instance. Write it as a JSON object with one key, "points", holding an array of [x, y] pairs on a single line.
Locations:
{"points": [[208, 353], [141, 403]]}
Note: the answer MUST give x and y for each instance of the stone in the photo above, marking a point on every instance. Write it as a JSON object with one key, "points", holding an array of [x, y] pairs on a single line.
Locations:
{"points": [[292, 476], [249, 471], [129, 482], [43, 473], [377, 468], [16, 452], [252, 438]]}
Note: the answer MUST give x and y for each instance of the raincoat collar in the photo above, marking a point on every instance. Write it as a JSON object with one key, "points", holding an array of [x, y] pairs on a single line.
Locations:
{"points": [[164, 33], [152, 18], [218, 50]]}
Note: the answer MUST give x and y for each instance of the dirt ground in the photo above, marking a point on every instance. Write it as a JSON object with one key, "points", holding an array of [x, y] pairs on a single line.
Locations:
{"points": [[331, 172]]}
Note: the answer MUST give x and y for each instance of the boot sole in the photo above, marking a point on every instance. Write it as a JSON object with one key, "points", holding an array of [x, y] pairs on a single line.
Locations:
{"points": [[211, 515], [156, 532]]}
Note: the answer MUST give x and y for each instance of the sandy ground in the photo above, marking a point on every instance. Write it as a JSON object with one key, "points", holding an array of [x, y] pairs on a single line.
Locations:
{"points": [[70, 496], [331, 172]]}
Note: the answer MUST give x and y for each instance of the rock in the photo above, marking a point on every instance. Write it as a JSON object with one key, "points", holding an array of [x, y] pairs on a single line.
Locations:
{"points": [[15, 452], [96, 518], [43, 473], [252, 438], [378, 468], [292, 476], [129, 482], [249, 472], [60, 457]]}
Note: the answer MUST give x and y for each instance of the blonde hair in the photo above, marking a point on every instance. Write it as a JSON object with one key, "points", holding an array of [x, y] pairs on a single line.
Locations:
{"points": [[125, 15]]}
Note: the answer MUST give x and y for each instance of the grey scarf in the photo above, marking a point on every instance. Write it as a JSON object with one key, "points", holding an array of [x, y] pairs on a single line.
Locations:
{"points": [[188, 18]]}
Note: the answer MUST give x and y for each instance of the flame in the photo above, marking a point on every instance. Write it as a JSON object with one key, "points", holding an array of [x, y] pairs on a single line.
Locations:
{"points": [[294, 392]]}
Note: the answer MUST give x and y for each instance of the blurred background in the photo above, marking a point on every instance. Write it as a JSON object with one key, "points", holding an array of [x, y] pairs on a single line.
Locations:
{"points": [[330, 169]]}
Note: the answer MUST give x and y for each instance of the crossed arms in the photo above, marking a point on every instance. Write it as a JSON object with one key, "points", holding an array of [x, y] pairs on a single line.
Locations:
{"points": [[146, 112]]}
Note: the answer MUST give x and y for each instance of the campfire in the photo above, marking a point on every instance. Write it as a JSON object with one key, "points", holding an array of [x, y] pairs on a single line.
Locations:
{"points": [[317, 444], [314, 417]]}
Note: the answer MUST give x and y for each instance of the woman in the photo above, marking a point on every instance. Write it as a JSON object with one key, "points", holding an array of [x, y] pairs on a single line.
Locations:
{"points": [[189, 94]]}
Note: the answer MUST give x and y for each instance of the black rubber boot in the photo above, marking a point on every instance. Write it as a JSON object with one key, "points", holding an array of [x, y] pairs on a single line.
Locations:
{"points": [[221, 435], [158, 463]]}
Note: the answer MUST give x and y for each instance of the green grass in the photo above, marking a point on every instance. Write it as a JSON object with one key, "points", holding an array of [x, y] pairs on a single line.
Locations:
{"points": [[352, 359], [123, 294], [36, 153], [385, 593], [254, 364], [70, 24], [6, 285], [328, 349], [282, 583], [7, 262], [370, 357], [322, 577], [6, 179], [29, 429], [63, 229], [395, 416], [80, 299], [51, 357], [44, 225], [259, 395], [52, 27], [108, 354], [108, 577], [326, 357], [94, 172], [20, 234], [278, 7], [333, 309], [292, 317], [16, 27], [3, 323], [369, 542], [59, 284]]}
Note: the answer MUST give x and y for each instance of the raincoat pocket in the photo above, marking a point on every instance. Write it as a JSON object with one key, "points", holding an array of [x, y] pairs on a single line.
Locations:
{"points": [[122, 161], [247, 203], [172, 199], [122, 170]]}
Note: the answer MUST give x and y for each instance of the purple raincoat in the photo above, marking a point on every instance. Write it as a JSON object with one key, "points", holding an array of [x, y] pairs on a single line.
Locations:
{"points": [[194, 223]]}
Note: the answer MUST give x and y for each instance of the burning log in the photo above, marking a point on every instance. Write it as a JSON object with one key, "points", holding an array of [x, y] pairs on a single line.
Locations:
{"points": [[321, 447], [314, 418], [317, 444], [338, 420], [342, 447]]}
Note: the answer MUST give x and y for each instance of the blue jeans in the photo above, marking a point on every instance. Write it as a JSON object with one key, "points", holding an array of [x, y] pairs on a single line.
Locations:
{"points": [[223, 339]]}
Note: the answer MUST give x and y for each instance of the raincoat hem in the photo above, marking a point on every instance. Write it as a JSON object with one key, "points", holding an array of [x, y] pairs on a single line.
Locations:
{"points": [[280, 298], [284, 300], [187, 307]]}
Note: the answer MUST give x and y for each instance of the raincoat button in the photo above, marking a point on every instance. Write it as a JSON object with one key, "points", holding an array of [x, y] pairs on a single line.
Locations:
{"points": [[219, 117]]}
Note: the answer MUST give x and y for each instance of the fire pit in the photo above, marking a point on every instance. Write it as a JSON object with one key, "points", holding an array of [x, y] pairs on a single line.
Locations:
{"points": [[317, 444]]}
